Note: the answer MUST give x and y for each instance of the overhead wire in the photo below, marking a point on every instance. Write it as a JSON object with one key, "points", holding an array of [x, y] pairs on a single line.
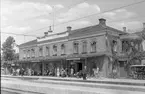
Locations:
{"points": [[69, 6], [128, 5], [80, 18], [19, 34]]}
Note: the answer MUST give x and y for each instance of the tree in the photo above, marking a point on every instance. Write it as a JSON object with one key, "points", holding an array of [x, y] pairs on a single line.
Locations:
{"points": [[8, 53]]}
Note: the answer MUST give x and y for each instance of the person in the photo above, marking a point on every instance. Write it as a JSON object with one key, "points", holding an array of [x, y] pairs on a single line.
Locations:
{"points": [[66, 70], [18, 71], [85, 73], [58, 72], [72, 71], [29, 71], [32, 72], [97, 72], [22, 72]]}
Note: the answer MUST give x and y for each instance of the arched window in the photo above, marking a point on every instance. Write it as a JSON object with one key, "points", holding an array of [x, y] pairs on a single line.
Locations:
{"points": [[76, 47], [93, 46], [84, 46], [47, 51], [54, 50], [62, 49]]}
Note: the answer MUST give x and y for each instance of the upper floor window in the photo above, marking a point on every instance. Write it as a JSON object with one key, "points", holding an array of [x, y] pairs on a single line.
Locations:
{"points": [[40, 51], [24, 54], [114, 45], [54, 50], [47, 51], [93, 46], [28, 54], [84, 47], [76, 47], [62, 49], [33, 52], [125, 46]]}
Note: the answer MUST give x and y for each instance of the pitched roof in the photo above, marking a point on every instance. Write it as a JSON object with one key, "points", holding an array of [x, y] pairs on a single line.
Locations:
{"points": [[33, 42], [56, 39], [96, 29]]}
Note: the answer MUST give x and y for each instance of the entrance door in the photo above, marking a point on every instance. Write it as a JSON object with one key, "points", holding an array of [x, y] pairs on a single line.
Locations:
{"points": [[79, 67], [123, 73]]}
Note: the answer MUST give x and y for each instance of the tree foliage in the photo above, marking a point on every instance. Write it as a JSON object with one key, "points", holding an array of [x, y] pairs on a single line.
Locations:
{"points": [[8, 52]]}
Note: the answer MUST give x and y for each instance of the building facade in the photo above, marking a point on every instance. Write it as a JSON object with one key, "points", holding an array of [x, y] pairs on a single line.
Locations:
{"points": [[98, 46]]}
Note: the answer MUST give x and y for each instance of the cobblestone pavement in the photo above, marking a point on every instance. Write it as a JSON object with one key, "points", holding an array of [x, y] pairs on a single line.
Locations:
{"points": [[48, 88]]}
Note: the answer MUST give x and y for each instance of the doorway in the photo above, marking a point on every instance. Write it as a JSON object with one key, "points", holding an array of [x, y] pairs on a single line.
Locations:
{"points": [[79, 67], [123, 73]]}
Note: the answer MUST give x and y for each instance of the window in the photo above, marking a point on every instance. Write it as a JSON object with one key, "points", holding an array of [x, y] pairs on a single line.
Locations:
{"points": [[33, 52], [76, 47], [84, 47], [47, 51], [24, 54], [93, 46], [28, 54], [40, 51], [114, 46], [62, 49], [125, 46], [54, 50]]}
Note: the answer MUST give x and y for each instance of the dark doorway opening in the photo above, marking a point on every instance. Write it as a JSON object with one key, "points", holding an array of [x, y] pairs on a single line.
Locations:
{"points": [[79, 67]]}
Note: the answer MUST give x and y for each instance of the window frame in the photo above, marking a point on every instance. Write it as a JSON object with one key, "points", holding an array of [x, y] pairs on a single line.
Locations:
{"points": [[93, 49], [54, 50], [75, 51], [47, 51], [40, 53], [63, 49], [32, 52], [84, 47]]}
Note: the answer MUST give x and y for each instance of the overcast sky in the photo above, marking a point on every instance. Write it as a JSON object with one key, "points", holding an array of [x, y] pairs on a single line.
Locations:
{"points": [[27, 16]]}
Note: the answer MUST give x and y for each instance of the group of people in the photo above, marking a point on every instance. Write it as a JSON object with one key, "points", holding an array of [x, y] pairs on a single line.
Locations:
{"points": [[65, 72], [22, 72]]}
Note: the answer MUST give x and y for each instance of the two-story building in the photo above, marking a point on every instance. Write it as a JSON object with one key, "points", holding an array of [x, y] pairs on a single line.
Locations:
{"points": [[94, 46]]}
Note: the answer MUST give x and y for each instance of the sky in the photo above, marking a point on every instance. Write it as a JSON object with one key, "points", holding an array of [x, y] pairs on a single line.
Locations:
{"points": [[30, 16]]}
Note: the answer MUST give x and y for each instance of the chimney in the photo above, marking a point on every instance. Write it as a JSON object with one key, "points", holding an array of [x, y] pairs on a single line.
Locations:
{"points": [[124, 29], [102, 21], [50, 29], [45, 33], [68, 28], [144, 26]]}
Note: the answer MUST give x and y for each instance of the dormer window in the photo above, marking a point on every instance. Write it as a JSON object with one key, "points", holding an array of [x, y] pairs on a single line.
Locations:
{"points": [[93, 46], [76, 47], [54, 50], [62, 49]]}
